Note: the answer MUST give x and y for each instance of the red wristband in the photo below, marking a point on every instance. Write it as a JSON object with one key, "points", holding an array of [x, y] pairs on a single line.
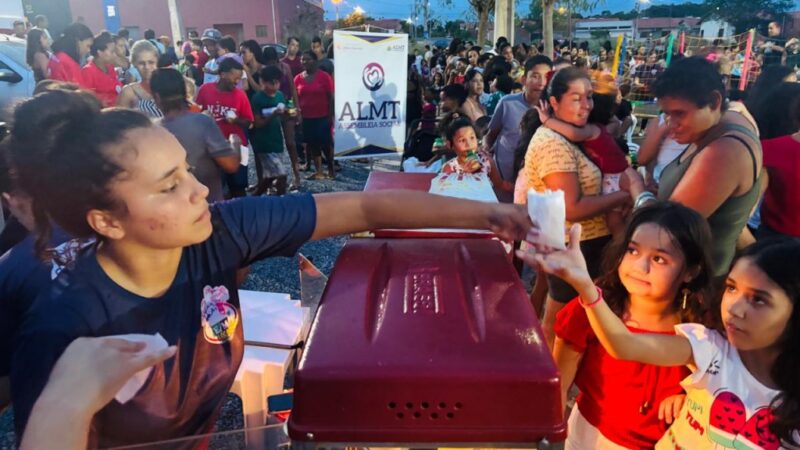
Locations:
{"points": [[596, 301]]}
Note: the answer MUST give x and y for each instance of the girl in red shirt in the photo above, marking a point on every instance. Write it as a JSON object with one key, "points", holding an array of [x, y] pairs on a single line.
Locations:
{"points": [[69, 50], [315, 92], [659, 277]]}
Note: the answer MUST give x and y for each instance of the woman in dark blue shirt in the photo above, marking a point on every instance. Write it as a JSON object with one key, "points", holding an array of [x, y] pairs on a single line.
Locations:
{"points": [[164, 261]]}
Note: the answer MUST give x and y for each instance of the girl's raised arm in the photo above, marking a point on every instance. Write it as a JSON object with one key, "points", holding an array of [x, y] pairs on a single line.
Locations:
{"points": [[619, 342]]}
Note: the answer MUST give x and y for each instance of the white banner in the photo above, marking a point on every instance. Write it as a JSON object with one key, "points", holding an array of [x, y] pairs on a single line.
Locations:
{"points": [[370, 76]]}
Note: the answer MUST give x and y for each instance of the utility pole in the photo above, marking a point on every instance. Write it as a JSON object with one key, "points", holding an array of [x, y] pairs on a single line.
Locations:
{"points": [[175, 21], [336, 4], [427, 6], [569, 23]]}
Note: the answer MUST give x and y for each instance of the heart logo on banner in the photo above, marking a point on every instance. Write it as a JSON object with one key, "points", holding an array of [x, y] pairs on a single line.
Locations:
{"points": [[373, 76]]}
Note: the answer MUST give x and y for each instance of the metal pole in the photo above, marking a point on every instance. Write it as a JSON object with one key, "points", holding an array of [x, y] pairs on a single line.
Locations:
{"points": [[569, 23], [274, 21], [427, 18], [174, 21]]}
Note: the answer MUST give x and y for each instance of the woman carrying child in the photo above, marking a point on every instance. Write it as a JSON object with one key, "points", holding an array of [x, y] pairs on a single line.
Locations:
{"points": [[599, 145], [554, 162]]}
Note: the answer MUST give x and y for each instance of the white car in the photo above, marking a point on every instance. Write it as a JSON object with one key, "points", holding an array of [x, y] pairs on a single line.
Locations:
{"points": [[16, 77]]}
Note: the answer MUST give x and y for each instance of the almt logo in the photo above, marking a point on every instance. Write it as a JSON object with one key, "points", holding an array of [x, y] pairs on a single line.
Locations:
{"points": [[373, 76]]}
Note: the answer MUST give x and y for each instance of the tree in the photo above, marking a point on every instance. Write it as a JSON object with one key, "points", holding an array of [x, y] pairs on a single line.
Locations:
{"points": [[353, 19], [437, 28], [677, 10], [746, 14], [482, 9], [547, 17], [306, 25]]}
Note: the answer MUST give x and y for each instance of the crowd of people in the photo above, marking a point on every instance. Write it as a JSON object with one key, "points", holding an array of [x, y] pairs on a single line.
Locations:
{"points": [[679, 247], [223, 81], [676, 296]]}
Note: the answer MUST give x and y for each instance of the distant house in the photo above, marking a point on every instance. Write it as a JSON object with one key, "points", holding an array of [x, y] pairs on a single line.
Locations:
{"points": [[716, 28], [614, 27], [646, 27], [264, 21], [655, 27]]}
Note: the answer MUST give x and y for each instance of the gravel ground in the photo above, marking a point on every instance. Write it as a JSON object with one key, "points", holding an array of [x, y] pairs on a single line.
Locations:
{"points": [[280, 274]]}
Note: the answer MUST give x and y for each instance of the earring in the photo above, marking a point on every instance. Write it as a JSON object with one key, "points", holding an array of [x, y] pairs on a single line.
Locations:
{"points": [[685, 296]]}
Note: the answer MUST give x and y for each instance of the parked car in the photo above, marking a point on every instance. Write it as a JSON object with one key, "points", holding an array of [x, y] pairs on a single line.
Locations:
{"points": [[16, 78], [280, 48]]}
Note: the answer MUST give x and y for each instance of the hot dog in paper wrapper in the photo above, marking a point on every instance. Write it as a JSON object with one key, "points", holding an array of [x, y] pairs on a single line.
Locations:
{"points": [[548, 211]]}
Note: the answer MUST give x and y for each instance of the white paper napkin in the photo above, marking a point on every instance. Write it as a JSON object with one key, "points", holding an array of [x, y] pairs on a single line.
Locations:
{"points": [[153, 342], [548, 211], [245, 150]]}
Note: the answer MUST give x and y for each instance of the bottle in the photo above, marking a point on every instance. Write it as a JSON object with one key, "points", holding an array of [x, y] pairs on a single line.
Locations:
{"points": [[472, 155], [290, 108], [634, 157], [438, 143]]}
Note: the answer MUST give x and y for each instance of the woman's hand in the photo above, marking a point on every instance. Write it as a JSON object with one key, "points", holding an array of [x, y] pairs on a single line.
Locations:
{"points": [[92, 370], [544, 112], [569, 264], [670, 408], [632, 181], [510, 222]]}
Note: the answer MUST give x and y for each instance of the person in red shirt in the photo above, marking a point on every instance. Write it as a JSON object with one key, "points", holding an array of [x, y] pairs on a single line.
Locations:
{"points": [[661, 278], [68, 50], [292, 58], [780, 212], [228, 105], [99, 74], [778, 117], [315, 93]]}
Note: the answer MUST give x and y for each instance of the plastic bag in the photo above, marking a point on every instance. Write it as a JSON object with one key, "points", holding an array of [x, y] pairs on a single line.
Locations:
{"points": [[412, 165]]}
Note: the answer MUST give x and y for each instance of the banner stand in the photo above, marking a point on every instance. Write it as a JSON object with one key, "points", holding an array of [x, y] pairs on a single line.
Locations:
{"points": [[371, 76]]}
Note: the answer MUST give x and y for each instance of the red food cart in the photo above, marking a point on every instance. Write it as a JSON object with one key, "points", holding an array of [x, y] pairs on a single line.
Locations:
{"points": [[424, 343]]}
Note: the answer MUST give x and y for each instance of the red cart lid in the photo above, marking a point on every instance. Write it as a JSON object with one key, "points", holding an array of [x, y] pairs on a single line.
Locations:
{"points": [[426, 341]]}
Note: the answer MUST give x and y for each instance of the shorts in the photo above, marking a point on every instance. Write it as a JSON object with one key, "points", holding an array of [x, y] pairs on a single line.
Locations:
{"points": [[583, 435], [592, 249], [317, 131], [272, 165]]}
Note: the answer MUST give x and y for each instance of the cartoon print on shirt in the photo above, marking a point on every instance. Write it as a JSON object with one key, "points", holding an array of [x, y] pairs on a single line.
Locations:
{"points": [[729, 427], [218, 317]]}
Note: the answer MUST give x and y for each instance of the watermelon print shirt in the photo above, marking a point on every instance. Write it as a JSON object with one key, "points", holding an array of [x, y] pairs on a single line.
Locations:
{"points": [[725, 407]]}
